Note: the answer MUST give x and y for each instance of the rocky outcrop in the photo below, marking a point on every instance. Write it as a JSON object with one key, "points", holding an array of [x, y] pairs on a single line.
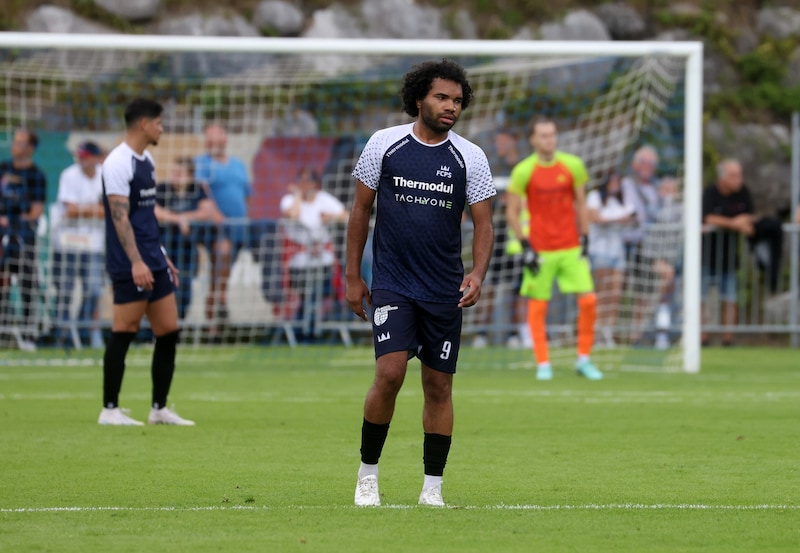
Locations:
{"points": [[761, 148], [132, 10]]}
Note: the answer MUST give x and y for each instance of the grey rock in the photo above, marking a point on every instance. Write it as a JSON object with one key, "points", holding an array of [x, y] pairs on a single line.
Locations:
{"points": [[464, 26], [719, 73], [53, 19], [793, 69], [401, 19], [210, 64], [577, 25], [333, 22], [198, 24], [746, 40], [778, 22], [132, 10], [622, 21], [283, 18]]}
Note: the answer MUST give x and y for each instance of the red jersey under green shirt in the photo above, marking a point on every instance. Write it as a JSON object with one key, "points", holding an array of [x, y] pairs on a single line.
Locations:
{"points": [[550, 192]]}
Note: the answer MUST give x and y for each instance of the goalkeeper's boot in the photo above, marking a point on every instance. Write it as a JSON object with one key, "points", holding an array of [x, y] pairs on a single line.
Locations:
{"points": [[544, 372], [432, 496], [588, 371], [367, 492], [116, 417]]}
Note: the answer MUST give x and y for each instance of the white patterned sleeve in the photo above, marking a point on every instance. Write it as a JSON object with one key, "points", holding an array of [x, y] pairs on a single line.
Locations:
{"points": [[370, 162], [480, 185]]}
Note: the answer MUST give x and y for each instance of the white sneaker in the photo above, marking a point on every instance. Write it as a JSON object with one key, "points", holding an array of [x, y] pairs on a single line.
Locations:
{"points": [[514, 342], [367, 492], [26, 345], [432, 496], [116, 417], [165, 416], [480, 341]]}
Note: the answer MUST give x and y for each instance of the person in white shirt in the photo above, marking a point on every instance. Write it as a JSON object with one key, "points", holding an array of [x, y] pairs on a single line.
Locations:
{"points": [[78, 240], [310, 254], [610, 214]]}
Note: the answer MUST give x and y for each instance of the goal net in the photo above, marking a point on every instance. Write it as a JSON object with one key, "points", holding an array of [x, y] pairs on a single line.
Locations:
{"points": [[297, 109]]}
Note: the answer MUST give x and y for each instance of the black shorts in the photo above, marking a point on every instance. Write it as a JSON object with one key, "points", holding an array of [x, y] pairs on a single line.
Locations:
{"points": [[431, 331], [125, 291]]}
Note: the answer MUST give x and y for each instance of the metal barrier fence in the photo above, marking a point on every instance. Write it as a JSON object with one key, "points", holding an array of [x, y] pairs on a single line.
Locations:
{"points": [[270, 301]]}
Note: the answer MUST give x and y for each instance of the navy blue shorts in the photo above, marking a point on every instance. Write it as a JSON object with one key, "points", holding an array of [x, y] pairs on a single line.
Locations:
{"points": [[125, 291], [431, 331]]}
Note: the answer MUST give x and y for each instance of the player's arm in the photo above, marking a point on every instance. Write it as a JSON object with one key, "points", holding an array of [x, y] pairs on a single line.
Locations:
{"points": [[120, 207], [581, 177], [357, 229], [35, 211], [482, 245], [514, 206], [582, 210], [91, 211], [36, 208]]}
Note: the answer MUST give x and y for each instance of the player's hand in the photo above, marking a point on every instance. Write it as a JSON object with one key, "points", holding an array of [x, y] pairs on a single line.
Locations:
{"points": [[585, 246], [174, 272], [142, 276], [356, 293], [471, 290], [530, 258]]}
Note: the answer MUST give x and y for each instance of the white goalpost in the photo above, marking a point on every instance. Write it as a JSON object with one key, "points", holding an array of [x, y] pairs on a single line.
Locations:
{"points": [[293, 104]]}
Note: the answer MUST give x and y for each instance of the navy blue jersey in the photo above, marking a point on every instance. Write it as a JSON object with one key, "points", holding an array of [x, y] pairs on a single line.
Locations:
{"points": [[126, 173], [422, 190], [19, 190]]}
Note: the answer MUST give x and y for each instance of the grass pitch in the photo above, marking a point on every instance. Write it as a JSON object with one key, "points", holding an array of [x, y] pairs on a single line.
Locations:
{"points": [[641, 461]]}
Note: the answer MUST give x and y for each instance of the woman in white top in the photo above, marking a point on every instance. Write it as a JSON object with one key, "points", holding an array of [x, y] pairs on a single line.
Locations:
{"points": [[609, 215], [308, 246]]}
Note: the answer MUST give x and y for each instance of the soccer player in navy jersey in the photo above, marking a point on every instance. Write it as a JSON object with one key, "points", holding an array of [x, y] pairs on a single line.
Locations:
{"points": [[422, 175], [142, 275]]}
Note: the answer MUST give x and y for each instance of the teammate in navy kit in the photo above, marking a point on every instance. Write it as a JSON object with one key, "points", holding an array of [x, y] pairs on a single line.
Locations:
{"points": [[143, 277], [422, 175]]}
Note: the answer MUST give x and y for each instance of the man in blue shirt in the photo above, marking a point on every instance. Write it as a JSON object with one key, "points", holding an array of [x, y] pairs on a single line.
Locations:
{"points": [[228, 181], [422, 176]]}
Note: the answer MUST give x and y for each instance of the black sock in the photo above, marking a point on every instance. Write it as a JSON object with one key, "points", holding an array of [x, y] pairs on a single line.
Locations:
{"points": [[114, 366], [163, 367], [373, 436], [435, 449]]}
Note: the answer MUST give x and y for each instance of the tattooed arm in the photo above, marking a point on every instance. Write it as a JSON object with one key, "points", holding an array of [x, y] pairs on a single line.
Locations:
{"points": [[120, 207]]}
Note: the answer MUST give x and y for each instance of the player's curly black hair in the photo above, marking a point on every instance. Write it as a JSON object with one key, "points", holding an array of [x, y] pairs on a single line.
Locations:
{"points": [[417, 83]]}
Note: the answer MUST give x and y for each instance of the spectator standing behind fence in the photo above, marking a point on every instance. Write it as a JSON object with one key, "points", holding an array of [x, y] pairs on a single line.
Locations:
{"points": [[78, 240], [310, 256], [727, 215], [182, 206], [662, 250], [228, 181], [640, 187], [22, 196], [610, 213], [505, 272]]}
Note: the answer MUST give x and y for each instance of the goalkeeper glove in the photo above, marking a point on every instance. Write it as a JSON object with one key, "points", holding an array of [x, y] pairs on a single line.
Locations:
{"points": [[585, 246], [530, 258]]}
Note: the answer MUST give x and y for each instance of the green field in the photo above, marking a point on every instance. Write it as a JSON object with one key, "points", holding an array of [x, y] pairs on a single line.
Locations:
{"points": [[639, 462]]}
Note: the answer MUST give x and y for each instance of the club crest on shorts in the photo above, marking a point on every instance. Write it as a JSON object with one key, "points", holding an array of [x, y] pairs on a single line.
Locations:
{"points": [[382, 314]]}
